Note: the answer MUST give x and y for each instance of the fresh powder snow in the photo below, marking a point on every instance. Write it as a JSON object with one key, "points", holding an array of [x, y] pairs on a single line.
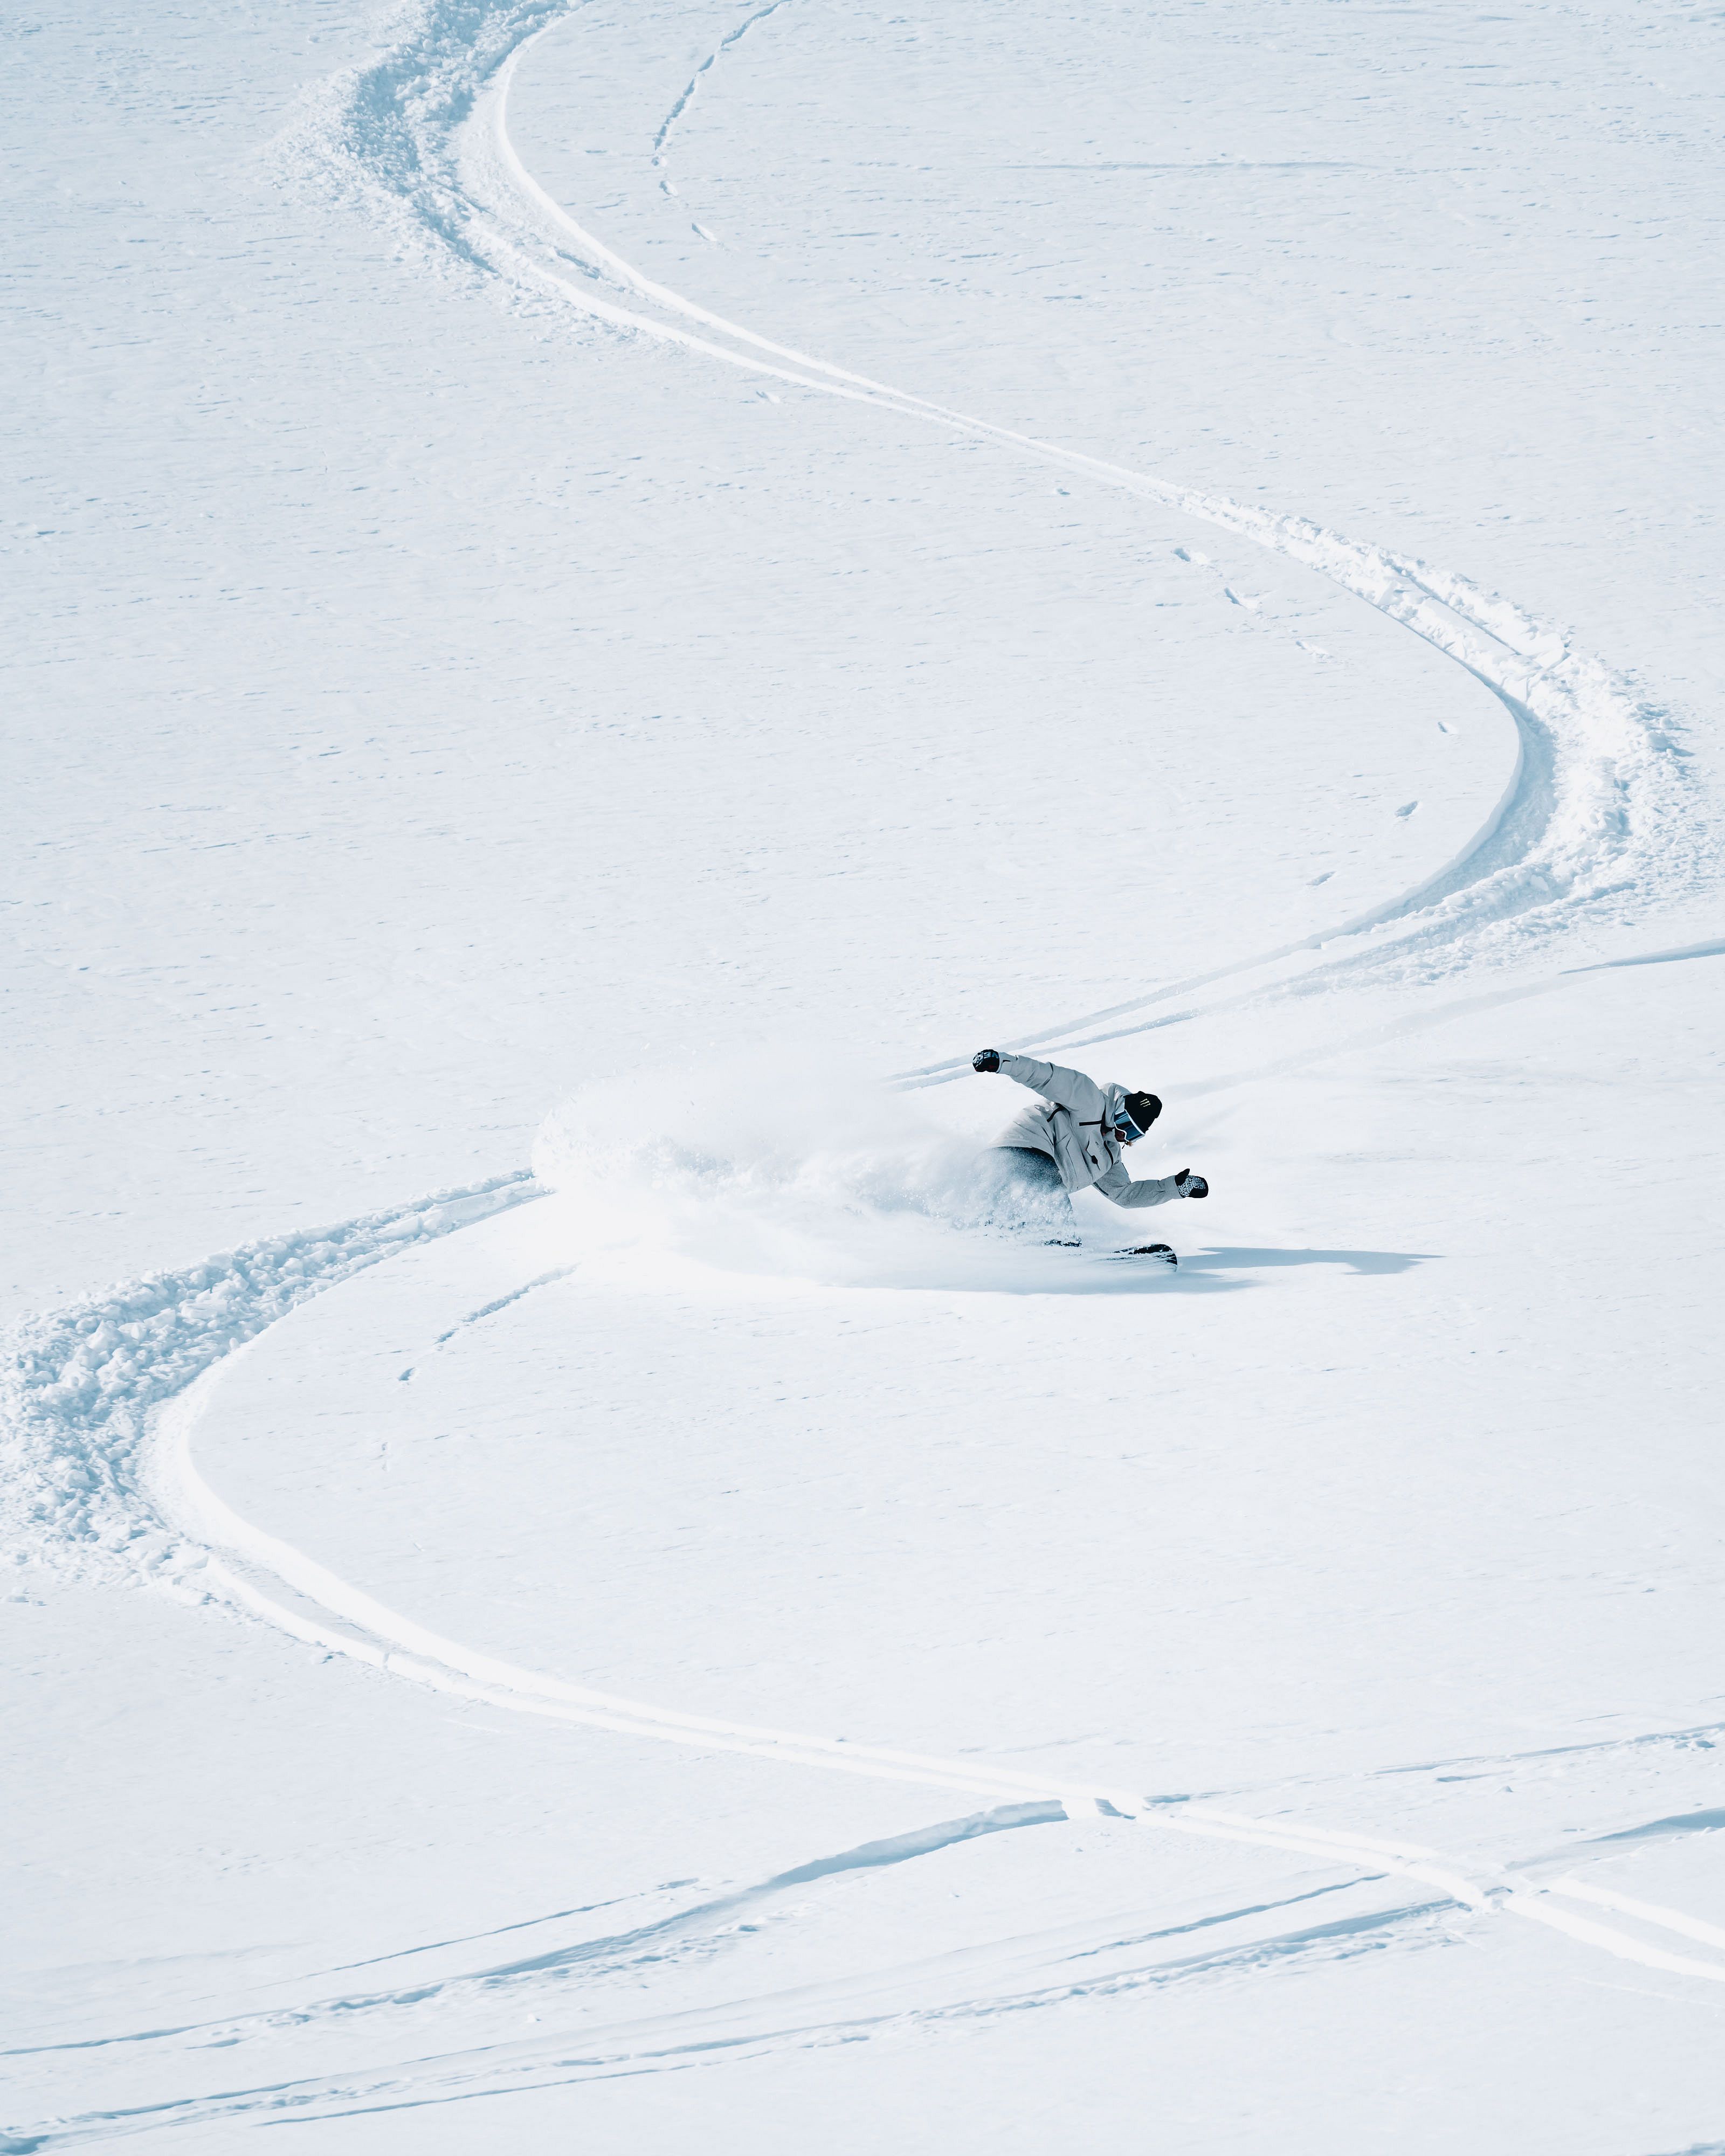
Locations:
{"points": [[597, 598]]}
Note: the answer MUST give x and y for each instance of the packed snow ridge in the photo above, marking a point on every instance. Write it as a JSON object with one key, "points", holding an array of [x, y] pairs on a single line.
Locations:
{"points": [[1597, 817], [77, 1385], [99, 1402]]}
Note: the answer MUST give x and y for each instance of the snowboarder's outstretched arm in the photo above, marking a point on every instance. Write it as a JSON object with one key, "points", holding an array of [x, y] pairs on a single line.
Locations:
{"points": [[1120, 1189], [1081, 1096], [1154, 1190]]}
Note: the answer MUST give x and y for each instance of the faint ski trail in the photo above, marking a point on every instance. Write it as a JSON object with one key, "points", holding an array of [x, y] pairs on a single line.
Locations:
{"points": [[645, 1945], [1110, 1956], [1591, 764], [77, 1385], [1048, 1969], [707, 65], [256, 1566], [489, 1310], [143, 1510], [1592, 814], [288, 1588], [1589, 816]]}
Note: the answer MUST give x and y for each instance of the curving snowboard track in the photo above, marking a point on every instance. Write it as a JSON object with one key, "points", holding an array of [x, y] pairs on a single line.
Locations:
{"points": [[101, 1400], [1592, 824]]}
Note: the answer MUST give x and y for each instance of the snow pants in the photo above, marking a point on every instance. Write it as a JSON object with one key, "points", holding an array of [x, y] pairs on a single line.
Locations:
{"points": [[1023, 1188]]}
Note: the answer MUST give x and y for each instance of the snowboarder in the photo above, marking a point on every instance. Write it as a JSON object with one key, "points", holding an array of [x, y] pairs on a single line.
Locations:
{"points": [[1075, 1142]]}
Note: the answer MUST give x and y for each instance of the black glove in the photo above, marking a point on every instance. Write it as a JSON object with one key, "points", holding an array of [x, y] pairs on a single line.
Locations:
{"points": [[1190, 1185], [986, 1059]]}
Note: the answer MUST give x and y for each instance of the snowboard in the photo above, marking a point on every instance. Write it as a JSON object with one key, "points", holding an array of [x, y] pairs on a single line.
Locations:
{"points": [[1157, 1250]]}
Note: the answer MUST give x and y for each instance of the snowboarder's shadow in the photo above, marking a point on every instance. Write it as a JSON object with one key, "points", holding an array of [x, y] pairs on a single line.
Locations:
{"points": [[1357, 1262]]}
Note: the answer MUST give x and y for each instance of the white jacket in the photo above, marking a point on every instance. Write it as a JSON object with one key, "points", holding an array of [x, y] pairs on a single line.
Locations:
{"points": [[1076, 1131]]}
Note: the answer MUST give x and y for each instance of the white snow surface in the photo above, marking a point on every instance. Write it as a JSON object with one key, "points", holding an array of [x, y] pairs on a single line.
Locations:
{"points": [[596, 597]]}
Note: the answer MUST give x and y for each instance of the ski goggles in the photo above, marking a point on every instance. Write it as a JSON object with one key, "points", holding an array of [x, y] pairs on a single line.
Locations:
{"points": [[1125, 1129]]}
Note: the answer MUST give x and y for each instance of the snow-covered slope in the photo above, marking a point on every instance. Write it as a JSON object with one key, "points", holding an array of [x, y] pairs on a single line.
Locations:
{"points": [[692, 561]]}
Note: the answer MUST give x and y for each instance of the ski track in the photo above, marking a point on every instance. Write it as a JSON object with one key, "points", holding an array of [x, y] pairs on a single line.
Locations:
{"points": [[1110, 1957], [288, 1588], [491, 1309], [706, 67], [78, 1385], [99, 1484], [1597, 809], [1094, 1961]]}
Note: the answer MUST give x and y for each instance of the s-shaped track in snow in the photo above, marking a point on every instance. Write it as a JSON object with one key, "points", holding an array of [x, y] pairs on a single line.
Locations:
{"points": [[1593, 811], [1596, 809]]}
